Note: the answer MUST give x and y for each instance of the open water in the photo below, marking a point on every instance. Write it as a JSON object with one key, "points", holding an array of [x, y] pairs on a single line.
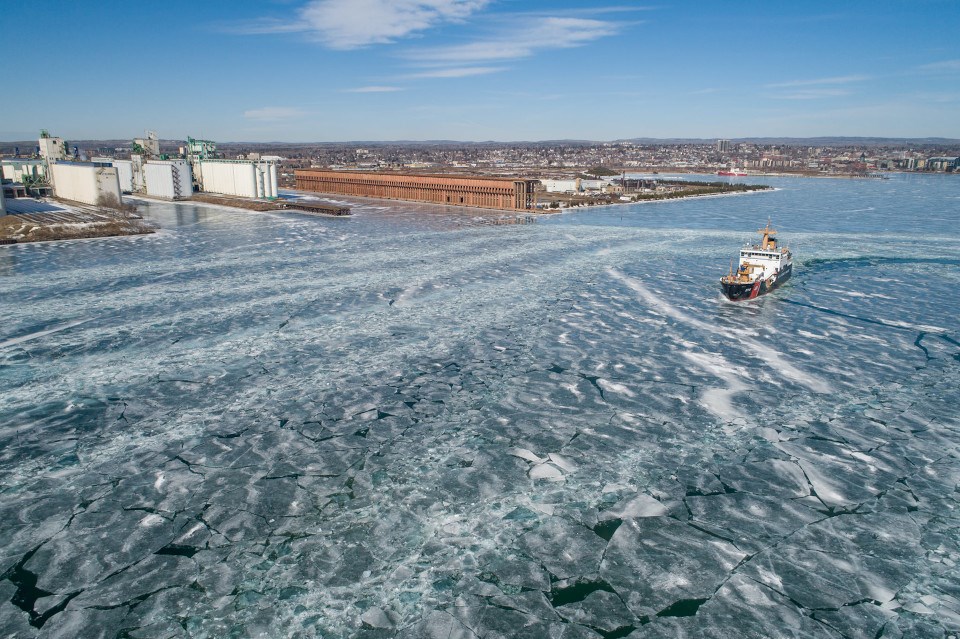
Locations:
{"points": [[411, 424]]}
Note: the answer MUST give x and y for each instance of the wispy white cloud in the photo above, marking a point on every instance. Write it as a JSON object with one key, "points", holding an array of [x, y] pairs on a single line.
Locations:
{"points": [[373, 89], [274, 113], [263, 26], [351, 24], [843, 79], [614, 9], [454, 72], [590, 12], [516, 42], [938, 97], [812, 94], [943, 65]]}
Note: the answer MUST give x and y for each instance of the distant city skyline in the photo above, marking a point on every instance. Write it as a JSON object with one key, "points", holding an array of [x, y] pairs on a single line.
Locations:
{"points": [[479, 70]]}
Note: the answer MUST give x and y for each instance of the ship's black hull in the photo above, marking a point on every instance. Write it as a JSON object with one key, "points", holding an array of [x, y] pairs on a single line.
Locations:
{"points": [[741, 292]]}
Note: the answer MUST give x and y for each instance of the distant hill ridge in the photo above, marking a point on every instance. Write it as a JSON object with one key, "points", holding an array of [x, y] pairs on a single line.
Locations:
{"points": [[834, 141], [816, 141]]}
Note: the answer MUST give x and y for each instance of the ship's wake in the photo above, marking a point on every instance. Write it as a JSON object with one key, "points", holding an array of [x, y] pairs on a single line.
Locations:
{"points": [[818, 266], [719, 402]]}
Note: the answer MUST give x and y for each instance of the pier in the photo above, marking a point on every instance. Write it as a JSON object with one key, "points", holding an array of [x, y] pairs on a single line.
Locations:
{"points": [[317, 208], [516, 219]]}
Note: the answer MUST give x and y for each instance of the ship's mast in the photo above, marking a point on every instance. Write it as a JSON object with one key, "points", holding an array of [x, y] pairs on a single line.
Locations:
{"points": [[768, 243]]}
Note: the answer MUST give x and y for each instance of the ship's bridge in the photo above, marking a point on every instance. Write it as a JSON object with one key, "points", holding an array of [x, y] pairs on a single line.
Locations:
{"points": [[755, 254]]}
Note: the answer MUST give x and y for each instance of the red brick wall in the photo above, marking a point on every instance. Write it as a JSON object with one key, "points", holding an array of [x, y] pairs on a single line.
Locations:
{"points": [[480, 192]]}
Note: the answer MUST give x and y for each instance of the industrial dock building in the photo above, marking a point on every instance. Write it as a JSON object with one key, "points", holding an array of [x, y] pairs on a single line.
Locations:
{"points": [[454, 190], [242, 178], [85, 182]]}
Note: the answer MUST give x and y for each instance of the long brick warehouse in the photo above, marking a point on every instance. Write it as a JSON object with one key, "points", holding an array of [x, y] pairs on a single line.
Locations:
{"points": [[480, 192]]}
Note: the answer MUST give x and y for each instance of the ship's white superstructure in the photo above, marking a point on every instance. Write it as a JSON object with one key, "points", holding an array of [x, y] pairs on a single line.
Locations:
{"points": [[759, 263]]}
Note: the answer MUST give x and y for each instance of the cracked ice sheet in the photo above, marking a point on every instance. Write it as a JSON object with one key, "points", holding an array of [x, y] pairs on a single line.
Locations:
{"points": [[269, 423]]}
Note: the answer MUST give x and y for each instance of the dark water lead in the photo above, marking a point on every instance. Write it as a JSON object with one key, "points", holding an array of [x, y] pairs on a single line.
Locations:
{"points": [[27, 594]]}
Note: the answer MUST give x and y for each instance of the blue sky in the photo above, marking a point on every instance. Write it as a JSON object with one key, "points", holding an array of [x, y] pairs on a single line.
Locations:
{"points": [[338, 70]]}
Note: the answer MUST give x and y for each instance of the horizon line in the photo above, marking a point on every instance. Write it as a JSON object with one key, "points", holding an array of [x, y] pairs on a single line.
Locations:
{"points": [[886, 138]]}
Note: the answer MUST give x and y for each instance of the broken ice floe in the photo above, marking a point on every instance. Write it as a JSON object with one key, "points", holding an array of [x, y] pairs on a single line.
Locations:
{"points": [[553, 467]]}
